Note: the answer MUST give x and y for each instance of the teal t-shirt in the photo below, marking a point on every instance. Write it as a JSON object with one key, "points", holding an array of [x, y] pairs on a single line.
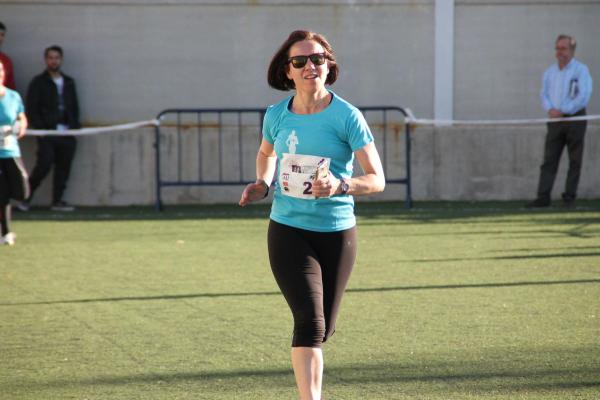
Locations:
{"points": [[11, 106], [301, 142]]}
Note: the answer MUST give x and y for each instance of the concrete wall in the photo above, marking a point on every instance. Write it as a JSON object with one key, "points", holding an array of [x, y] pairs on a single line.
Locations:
{"points": [[492, 163], [133, 58], [503, 47]]}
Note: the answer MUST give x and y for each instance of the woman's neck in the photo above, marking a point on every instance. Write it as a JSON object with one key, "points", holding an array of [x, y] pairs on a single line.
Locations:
{"points": [[310, 103]]}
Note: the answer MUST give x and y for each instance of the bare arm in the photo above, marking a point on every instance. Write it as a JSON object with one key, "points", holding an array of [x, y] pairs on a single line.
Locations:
{"points": [[373, 180], [22, 119], [265, 170]]}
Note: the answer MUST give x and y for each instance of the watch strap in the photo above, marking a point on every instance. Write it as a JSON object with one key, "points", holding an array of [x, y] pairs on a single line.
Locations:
{"points": [[264, 183]]}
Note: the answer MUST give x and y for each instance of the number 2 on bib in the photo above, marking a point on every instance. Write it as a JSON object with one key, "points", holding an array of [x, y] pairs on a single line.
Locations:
{"points": [[308, 188]]}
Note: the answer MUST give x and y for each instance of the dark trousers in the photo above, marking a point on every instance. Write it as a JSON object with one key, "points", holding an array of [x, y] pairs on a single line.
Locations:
{"points": [[57, 151], [13, 185], [312, 270], [561, 134]]}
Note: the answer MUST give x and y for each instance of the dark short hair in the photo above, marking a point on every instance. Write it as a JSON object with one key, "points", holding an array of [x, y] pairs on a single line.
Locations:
{"points": [[279, 66], [2, 27], [571, 39], [56, 48]]}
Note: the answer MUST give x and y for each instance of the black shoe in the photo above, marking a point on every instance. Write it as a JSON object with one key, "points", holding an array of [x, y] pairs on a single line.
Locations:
{"points": [[62, 206], [538, 203], [568, 201], [23, 206]]}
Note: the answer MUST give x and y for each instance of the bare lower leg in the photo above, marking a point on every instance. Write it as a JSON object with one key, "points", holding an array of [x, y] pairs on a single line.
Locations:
{"points": [[308, 370]]}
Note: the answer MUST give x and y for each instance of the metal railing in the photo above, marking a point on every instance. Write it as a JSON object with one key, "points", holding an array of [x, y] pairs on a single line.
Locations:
{"points": [[200, 137]]}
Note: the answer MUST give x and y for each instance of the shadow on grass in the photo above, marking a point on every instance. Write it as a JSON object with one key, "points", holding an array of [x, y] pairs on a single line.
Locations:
{"points": [[500, 258], [351, 290], [530, 249], [423, 211], [139, 213], [460, 210], [577, 232], [471, 376]]}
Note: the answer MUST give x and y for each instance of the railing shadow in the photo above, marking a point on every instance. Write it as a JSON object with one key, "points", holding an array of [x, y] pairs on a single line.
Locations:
{"points": [[479, 376], [368, 213], [500, 258], [273, 293]]}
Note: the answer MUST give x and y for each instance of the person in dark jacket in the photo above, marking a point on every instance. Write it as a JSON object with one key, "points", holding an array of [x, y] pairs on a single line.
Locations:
{"points": [[52, 104]]}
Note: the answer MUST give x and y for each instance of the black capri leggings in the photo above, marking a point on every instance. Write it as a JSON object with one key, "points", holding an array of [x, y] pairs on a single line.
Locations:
{"points": [[13, 184], [312, 270], [13, 180]]}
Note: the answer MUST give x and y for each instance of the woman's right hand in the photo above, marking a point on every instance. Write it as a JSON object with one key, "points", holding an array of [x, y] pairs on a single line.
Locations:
{"points": [[254, 192]]}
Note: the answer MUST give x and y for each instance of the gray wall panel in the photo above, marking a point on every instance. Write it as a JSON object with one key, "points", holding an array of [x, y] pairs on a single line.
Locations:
{"points": [[501, 52], [133, 58]]}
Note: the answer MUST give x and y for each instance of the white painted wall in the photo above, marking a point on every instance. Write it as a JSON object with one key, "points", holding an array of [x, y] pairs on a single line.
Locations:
{"points": [[501, 51], [133, 58]]}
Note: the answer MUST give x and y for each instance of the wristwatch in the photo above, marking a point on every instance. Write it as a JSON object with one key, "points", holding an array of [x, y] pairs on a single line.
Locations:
{"points": [[345, 187], [266, 185]]}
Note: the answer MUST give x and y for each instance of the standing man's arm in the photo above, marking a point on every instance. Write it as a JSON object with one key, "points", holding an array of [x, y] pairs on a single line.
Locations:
{"points": [[32, 107], [545, 97], [584, 93], [545, 93], [77, 123]]}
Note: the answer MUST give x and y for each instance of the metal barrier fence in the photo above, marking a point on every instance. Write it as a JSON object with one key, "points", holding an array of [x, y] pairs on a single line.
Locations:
{"points": [[218, 146]]}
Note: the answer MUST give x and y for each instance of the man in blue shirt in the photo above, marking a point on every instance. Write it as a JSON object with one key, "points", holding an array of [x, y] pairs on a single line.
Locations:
{"points": [[566, 91]]}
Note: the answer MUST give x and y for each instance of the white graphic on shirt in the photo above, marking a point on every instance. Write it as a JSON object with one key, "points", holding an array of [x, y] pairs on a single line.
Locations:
{"points": [[291, 142], [297, 174]]}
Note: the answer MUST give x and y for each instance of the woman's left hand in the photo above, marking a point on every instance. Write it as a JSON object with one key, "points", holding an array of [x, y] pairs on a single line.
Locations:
{"points": [[21, 125], [325, 186], [254, 192], [21, 133]]}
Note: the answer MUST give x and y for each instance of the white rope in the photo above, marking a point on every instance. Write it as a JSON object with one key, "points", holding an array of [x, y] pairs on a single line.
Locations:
{"points": [[422, 121], [409, 119], [93, 131]]}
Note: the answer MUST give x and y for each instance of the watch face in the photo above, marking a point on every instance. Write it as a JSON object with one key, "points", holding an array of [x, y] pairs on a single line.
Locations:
{"points": [[345, 187]]}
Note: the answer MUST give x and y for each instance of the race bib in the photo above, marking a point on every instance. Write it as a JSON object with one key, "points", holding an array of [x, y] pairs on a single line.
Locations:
{"points": [[297, 173]]}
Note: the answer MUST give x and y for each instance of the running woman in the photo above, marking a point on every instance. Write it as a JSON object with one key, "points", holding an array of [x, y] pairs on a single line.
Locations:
{"points": [[311, 139], [13, 176]]}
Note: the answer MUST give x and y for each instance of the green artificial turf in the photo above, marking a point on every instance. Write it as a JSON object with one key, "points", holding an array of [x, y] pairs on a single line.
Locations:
{"points": [[447, 301]]}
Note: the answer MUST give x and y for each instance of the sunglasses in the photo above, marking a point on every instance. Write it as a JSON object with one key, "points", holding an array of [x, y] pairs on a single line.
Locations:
{"points": [[300, 61]]}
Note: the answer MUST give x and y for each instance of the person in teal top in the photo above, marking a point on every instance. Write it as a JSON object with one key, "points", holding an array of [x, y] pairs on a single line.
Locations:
{"points": [[333, 135], [13, 176], [310, 140]]}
